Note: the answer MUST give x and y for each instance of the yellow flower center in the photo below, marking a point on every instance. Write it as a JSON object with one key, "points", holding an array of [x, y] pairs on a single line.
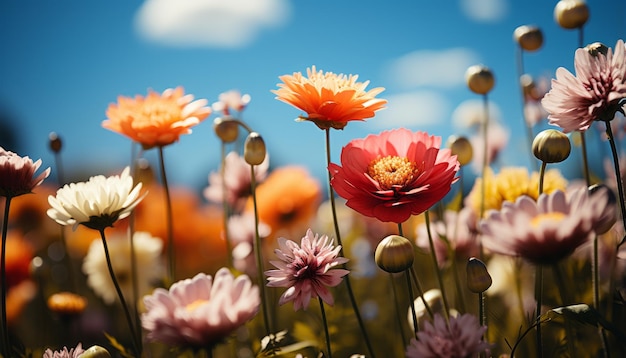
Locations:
{"points": [[392, 171], [158, 112], [539, 219], [195, 304]]}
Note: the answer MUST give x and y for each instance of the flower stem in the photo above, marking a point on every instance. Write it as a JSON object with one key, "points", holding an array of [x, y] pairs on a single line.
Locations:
{"points": [[529, 129], [330, 355], [6, 342], [407, 273], [485, 165], [331, 196], [257, 252], [542, 172], [538, 294], [171, 257], [398, 314], [583, 148], [131, 326], [444, 297], [618, 176], [225, 206], [420, 292]]}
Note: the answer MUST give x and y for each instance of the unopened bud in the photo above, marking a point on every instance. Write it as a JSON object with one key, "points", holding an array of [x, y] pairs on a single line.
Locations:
{"points": [[529, 87], [227, 129], [530, 38], [462, 148], [478, 279], [551, 146], [254, 149], [479, 79], [597, 48], [55, 142], [394, 254], [95, 352], [571, 14]]}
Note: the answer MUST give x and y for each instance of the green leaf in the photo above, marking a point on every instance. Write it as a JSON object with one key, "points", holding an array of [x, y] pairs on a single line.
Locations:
{"points": [[585, 314], [117, 345]]}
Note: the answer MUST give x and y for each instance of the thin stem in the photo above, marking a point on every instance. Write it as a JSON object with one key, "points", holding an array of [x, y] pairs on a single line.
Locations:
{"points": [[483, 185], [171, 257], [257, 252], [583, 148], [6, 341], [225, 206], [399, 318], [411, 299], [420, 293], [133, 253], [330, 354], [542, 173], [436, 267], [538, 294], [565, 300], [529, 129], [355, 307], [618, 176], [131, 325]]}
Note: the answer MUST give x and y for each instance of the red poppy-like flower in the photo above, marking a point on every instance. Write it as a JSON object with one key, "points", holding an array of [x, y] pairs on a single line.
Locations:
{"points": [[17, 174], [329, 100], [596, 91], [158, 119], [394, 175]]}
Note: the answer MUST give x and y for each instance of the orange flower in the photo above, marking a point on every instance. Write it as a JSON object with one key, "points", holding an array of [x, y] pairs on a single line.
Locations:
{"points": [[330, 100], [18, 256], [157, 119]]}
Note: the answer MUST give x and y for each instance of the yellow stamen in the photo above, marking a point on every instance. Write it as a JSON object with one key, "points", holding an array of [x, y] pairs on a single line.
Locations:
{"points": [[392, 171], [195, 304], [554, 216]]}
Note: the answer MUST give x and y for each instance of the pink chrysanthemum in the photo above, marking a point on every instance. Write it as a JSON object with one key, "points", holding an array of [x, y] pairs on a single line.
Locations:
{"points": [[17, 174], [574, 102], [394, 175], [462, 337], [550, 229], [202, 311], [307, 269], [64, 353]]}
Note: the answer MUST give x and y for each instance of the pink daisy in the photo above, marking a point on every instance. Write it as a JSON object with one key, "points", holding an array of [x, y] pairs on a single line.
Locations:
{"points": [[550, 229], [394, 175], [462, 337], [307, 269], [17, 174], [202, 311], [574, 102], [64, 353]]}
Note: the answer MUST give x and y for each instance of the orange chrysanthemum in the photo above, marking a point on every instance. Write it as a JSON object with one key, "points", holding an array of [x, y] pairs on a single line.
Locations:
{"points": [[157, 119], [329, 100]]}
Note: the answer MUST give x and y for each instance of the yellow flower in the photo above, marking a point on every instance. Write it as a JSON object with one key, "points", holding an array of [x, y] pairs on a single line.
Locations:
{"points": [[511, 183], [329, 100], [158, 119]]}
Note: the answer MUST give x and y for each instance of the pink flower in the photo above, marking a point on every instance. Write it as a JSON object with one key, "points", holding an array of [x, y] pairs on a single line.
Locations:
{"points": [[394, 175], [574, 102], [307, 269], [231, 100], [462, 337], [64, 353], [17, 174], [237, 180], [550, 229], [202, 311], [241, 233]]}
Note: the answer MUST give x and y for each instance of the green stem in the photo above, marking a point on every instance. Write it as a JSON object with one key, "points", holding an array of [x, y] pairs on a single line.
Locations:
{"points": [[331, 195], [399, 318], [583, 148], [326, 334], [542, 173], [225, 206], [420, 293], [483, 185], [565, 300], [444, 297], [131, 325], [6, 341], [257, 252], [171, 257], [618, 176], [529, 129], [411, 299], [538, 294]]}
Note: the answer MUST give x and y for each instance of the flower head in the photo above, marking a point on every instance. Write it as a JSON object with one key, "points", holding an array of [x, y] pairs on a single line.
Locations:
{"points": [[231, 101], [394, 175], [150, 269], [64, 353], [158, 119], [329, 100], [460, 338], [307, 269], [595, 93], [549, 229], [17, 174], [201, 311], [97, 203]]}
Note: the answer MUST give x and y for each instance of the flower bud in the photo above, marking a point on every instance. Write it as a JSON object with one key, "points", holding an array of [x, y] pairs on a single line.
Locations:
{"points": [[67, 303], [254, 149], [95, 352], [609, 215], [597, 48], [479, 79], [462, 148], [55, 142], [529, 87], [551, 146], [530, 38], [394, 254], [227, 129], [571, 14], [478, 279]]}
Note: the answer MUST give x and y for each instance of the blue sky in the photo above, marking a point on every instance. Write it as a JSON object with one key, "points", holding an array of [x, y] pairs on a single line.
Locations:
{"points": [[64, 62]]}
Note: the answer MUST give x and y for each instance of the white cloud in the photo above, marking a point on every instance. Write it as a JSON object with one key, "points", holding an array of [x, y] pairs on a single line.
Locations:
{"points": [[410, 109], [470, 113], [485, 10], [209, 23], [445, 68]]}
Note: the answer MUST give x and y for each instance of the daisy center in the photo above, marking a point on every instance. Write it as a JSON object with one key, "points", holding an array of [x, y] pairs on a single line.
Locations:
{"points": [[539, 219], [195, 304], [392, 171]]}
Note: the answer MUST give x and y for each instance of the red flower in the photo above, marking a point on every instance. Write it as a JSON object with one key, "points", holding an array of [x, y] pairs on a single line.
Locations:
{"points": [[394, 175]]}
